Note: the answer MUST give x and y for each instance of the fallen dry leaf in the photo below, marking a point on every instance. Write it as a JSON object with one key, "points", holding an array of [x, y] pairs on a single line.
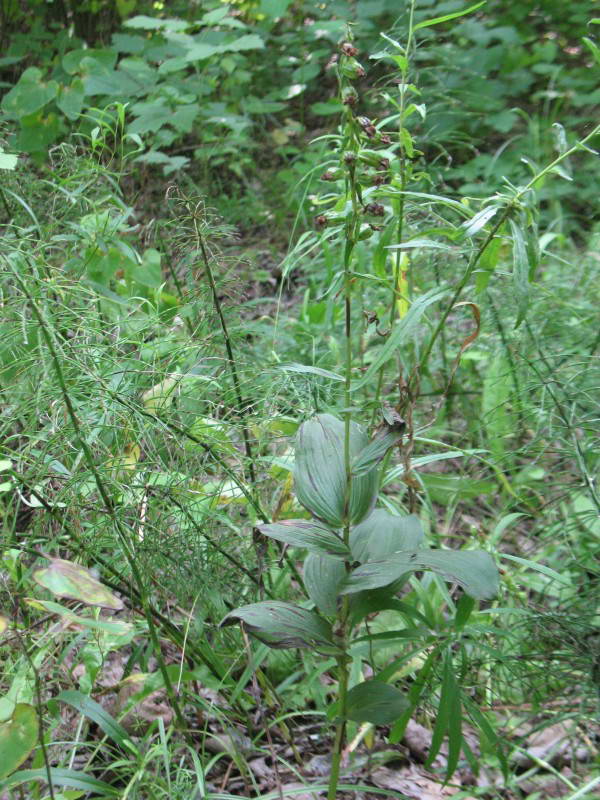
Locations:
{"points": [[412, 783]]}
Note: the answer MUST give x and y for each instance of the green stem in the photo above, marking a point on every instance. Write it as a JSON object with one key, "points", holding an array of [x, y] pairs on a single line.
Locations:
{"points": [[400, 211], [242, 411], [343, 630]]}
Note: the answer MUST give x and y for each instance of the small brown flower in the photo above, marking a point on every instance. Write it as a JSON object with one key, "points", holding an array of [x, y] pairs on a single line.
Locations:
{"points": [[375, 208], [349, 50], [320, 222], [349, 97]]}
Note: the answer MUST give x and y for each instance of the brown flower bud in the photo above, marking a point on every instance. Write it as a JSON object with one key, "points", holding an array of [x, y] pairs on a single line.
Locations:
{"points": [[350, 68], [349, 50], [320, 222], [385, 139], [349, 96], [375, 208]]}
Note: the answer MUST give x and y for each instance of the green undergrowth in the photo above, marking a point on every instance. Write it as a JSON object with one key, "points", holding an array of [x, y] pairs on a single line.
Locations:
{"points": [[422, 287]]}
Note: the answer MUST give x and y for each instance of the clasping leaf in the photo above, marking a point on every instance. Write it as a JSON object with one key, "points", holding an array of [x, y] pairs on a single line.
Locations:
{"points": [[320, 474], [283, 625]]}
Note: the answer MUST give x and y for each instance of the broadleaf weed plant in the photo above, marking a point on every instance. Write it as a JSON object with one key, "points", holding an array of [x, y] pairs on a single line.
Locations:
{"points": [[359, 556], [354, 548]]}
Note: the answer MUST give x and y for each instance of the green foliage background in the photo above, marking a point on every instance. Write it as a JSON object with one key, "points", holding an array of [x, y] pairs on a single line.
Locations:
{"points": [[158, 230]]}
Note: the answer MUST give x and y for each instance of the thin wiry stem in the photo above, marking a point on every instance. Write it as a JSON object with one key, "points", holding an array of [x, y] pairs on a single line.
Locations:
{"points": [[343, 628], [241, 405], [120, 529], [508, 209]]}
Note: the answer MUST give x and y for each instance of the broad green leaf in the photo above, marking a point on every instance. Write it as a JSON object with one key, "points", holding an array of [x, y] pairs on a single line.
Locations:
{"points": [[496, 410], [37, 132], [401, 333], [480, 220], [362, 604], [18, 737], [311, 535], [328, 109], [250, 41], [274, 8], [379, 255], [487, 264], [201, 50], [143, 22], [376, 702], [97, 79], [220, 16], [30, 94], [382, 534], [373, 453], [151, 116], [94, 711], [105, 58], [322, 578], [66, 579], [520, 271], [474, 570], [5, 465], [464, 607], [283, 625], [70, 99], [320, 474], [148, 273]]}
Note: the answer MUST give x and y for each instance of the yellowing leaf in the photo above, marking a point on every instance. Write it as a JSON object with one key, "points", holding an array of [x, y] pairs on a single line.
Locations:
{"points": [[18, 737], [160, 396], [402, 304], [66, 579], [279, 136]]}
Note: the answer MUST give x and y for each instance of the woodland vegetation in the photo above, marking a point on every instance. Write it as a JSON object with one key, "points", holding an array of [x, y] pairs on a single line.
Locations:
{"points": [[299, 369]]}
